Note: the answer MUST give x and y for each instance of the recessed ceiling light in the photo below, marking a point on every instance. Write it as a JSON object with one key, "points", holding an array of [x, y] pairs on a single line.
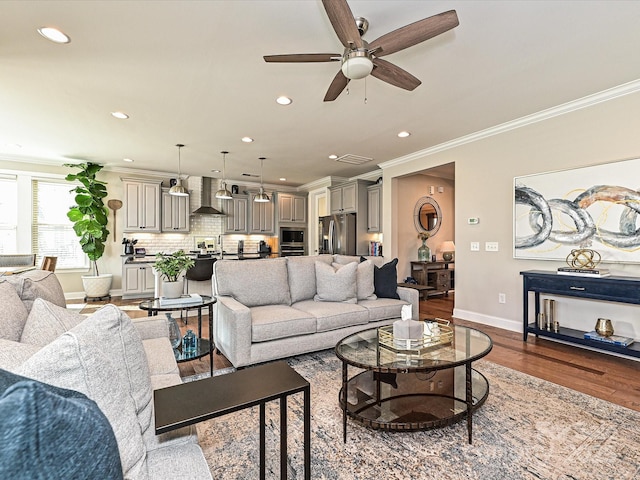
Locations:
{"points": [[215, 171], [333, 156], [403, 134], [120, 115], [247, 139], [128, 160], [282, 179], [282, 100], [54, 35]]}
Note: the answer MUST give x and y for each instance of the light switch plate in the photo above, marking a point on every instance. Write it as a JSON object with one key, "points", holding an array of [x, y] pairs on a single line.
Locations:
{"points": [[475, 246], [473, 221], [491, 246]]}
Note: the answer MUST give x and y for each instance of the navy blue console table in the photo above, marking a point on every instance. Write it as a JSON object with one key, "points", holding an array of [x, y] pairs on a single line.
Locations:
{"points": [[608, 289]]}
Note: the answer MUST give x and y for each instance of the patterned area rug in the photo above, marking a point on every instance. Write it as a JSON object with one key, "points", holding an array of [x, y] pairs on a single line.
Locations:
{"points": [[527, 429]]}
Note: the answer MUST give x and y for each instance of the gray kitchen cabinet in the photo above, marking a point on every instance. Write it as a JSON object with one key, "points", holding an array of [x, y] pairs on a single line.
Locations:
{"points": [[262, 216], [374, 210], [350, 197], [142, 205], [237, 210], [292, 208], [138, 280], [175, 212]]}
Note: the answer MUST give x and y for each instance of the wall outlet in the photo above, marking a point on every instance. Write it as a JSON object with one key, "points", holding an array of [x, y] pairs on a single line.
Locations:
{"points": [[475, 246], [491, 246], [502, 298]]}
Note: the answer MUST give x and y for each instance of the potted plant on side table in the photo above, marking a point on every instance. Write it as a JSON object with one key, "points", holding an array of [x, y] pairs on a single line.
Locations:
{"points": [[170, 266], [90, 217]]}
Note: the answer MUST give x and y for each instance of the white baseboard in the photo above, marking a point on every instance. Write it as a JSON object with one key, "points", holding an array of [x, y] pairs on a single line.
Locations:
{"points": [[505, 323]]}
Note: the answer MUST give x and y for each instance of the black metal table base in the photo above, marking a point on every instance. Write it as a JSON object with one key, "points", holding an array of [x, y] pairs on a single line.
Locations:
{"points": [[189, 403]]}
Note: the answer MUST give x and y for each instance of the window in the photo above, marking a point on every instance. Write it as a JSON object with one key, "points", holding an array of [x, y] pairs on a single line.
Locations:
{"points": [[8, 215], [52, 231]]}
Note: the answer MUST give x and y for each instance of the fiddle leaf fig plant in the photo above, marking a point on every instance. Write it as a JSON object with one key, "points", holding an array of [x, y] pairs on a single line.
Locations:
{"points": [[89, 215], [171, 265]]}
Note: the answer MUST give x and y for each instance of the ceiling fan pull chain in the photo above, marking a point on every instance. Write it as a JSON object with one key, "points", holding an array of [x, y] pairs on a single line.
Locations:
{"points": [[365, 90]]}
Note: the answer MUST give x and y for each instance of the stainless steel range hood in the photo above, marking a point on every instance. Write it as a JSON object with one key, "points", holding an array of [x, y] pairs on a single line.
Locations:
{"points": [[205, 199]]}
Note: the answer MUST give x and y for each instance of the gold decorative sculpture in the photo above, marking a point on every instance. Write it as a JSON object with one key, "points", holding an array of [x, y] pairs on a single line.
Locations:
{"points": [[583, 258]]}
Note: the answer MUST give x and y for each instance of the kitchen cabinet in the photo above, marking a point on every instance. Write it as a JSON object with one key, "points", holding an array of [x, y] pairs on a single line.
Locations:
{"points": [[350, 197], [175, 212], [138, 280], [292, 208], [262, 218], [374, 210], [142, 205], [237, 209]]}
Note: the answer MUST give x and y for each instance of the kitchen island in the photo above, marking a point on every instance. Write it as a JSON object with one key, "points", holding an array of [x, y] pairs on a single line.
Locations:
{"points": [[139, 279]]}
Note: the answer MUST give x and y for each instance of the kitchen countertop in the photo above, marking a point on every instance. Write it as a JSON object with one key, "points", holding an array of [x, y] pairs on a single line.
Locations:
{"points": [[151, 258]]}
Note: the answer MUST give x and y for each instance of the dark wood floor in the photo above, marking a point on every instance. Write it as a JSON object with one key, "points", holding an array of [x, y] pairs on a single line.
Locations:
{"points": [[610, 378]]}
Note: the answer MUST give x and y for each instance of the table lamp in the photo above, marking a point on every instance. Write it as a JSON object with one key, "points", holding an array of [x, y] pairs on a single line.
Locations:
{"points": [[447, 249]]}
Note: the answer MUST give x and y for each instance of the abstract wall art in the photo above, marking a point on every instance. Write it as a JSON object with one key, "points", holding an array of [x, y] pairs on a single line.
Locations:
{"points": [[594, 207]]}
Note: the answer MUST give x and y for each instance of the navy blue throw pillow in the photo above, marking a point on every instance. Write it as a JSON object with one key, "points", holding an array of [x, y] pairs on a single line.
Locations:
{"points": [[53, 433], [385, 280]]}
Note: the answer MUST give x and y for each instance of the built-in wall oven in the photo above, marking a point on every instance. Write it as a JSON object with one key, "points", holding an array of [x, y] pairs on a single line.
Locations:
{"points": [[293, 241]]}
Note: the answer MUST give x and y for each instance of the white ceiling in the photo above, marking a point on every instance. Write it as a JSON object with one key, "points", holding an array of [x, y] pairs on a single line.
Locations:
{"points": [[192, 72]]}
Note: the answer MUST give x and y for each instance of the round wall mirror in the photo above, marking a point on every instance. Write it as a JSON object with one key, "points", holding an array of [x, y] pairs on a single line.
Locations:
{"points": [[427, 216]]}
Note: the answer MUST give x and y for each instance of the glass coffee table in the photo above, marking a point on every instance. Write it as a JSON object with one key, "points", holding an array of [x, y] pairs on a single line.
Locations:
{"points": [[401, 391], [204, 346]]}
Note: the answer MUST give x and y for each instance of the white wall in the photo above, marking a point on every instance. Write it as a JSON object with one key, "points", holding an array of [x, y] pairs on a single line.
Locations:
{"points": [[601, 133]]}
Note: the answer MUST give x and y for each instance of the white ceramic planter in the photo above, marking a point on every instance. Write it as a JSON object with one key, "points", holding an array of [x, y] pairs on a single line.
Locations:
{"points": [[172, 289], [97, 286]]}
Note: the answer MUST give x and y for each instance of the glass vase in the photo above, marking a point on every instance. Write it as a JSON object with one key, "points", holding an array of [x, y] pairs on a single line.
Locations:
{"points": [[174, 332], [189, 343], [424, 254]]}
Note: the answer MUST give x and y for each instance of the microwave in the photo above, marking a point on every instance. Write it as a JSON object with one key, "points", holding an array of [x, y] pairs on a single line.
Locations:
{"points": [[291, 235]]}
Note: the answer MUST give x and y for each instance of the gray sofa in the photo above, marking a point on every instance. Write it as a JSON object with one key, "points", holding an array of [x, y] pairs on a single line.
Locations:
{"points": [[115, 361], [275, 308]]}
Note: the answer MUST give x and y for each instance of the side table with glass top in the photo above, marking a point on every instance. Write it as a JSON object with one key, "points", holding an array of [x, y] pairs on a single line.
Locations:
{"points": [[204, 346], [404, 392]]}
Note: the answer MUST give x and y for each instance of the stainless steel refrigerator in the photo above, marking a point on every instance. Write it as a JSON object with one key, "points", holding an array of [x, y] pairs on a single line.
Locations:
{"points": [[338, 234]]}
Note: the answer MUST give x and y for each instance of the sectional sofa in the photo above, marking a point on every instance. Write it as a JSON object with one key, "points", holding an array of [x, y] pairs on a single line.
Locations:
{"points": [[275, 308], [114, 361]]}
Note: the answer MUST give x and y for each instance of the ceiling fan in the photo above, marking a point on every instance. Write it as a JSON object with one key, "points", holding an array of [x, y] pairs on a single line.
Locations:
{"points": [[361, 58]]}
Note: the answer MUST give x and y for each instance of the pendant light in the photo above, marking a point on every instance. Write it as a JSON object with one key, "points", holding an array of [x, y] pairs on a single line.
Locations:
{"points": [[178, 190], [261, 197], [224, 193]]}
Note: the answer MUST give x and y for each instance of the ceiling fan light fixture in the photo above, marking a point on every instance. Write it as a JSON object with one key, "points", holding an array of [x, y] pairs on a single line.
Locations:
{"points": [[357, 64]]}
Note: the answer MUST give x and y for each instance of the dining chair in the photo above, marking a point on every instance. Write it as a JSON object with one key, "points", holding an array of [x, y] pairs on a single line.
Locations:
{"points": [[49, 263]]}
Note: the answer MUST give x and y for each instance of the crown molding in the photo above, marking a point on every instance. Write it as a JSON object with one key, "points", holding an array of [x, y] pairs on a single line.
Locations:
{"points": [[584, 102]]}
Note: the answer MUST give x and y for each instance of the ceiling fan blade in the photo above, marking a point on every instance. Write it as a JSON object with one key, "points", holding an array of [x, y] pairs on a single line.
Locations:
{"points": [[303, 57], [394, 75], [337, 86], [414, 33], [343, 22]]}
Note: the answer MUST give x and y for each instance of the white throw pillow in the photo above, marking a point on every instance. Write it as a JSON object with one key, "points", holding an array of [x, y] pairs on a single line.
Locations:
{"points": [[336, 285], [47, 321], [364, 279], [76, 361]]}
